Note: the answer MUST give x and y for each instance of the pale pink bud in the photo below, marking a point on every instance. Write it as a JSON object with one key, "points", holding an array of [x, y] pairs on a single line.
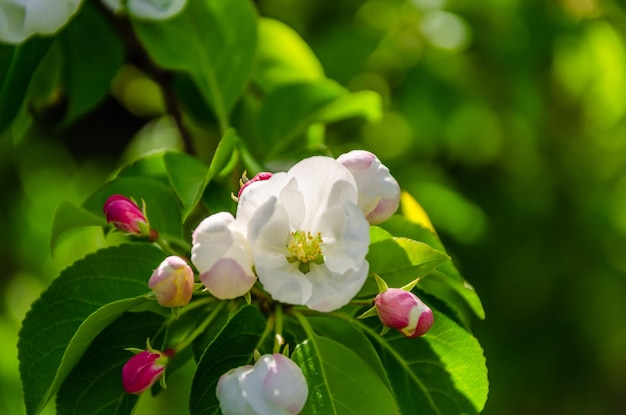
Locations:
{"points": [[404, 311], [259, 177], [379, 192], [172, 282], [144, 369], [126, 216], [275, 385], [223, 257]]}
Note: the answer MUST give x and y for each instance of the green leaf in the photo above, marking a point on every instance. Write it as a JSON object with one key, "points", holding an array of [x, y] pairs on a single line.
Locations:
{"points": [[93, 54], [24, 60], [291, 109], [446, 282], [189, 177], [84, 299], [351, 337], [95, 383], [69, 216], [233, 347], [442, 372], [211, 40], [399, 261], [162, 205], [340, 382], [283, 57]]}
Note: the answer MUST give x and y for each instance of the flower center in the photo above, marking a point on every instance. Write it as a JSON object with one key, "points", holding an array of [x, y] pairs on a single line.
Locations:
{"points": [[305, 248]]}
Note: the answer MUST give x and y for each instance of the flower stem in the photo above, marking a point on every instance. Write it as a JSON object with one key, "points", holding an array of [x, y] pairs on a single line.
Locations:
{"points": [[201, 328], [278, 328], [362, 302]]}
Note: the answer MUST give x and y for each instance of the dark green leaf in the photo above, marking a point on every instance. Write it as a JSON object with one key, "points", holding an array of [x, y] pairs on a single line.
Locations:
{"points": [[187, 176], [93, 54], [24, 60], [95, 384], [233, 347], [340, 382], [84, 299], [211, 40]]}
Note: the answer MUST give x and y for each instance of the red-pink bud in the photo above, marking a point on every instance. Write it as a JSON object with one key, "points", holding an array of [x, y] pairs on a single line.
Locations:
{"points": [[144, 369], [126, 216], [259, 177], [404, 311]]}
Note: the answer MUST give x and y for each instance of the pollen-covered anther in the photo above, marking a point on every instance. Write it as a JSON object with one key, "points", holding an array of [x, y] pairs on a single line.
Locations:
{"points": [[305, 247]]}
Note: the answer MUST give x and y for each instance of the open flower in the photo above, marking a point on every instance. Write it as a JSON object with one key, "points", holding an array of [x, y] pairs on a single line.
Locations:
{"points": [[379, 192], [172, 282], [144, 369], [275, 385], [24, 18], [222, 256], [308, 236], [404, 311]]}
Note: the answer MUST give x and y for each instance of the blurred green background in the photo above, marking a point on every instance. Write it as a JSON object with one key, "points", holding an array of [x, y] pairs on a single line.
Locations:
{"points": [[506, 119]]}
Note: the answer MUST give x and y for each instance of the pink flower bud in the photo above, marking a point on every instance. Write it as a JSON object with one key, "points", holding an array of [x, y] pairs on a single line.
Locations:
{"points": [[223, 257], [144, 369], [126, 216], [172, 282], [404, 311], [275, 385], [259, 177], [379, 192]]}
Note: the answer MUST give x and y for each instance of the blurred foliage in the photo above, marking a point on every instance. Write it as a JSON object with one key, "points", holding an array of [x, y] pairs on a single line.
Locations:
{"points": [[504, 118]]}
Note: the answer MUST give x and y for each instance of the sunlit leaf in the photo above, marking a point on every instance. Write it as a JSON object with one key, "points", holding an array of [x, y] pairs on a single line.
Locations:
{"points": [[69, 216], [81, 302], [442, 373], [446, 282], [399, 261], [283, 57]]}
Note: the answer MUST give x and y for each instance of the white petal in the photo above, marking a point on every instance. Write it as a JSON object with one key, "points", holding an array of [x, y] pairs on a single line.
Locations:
{"points": [[318, 177], [286, 386], [227, 279], [212, 239], [346, 238], [44, 17], [230, 394], [332, 291], [256, 195], [155, 9]]}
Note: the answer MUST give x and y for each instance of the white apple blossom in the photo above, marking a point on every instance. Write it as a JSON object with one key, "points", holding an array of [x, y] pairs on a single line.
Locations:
{"points": [[222, 256], [21, 19], [275, 385], [308, 236], [148, 9], [379, 192]]}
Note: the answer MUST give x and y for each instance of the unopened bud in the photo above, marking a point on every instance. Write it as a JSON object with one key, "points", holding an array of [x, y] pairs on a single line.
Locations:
{"points": [[172, 282], [404, 311], [126, 216], [274, 385], [144, 369], [379, 192], [259, 177]]}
